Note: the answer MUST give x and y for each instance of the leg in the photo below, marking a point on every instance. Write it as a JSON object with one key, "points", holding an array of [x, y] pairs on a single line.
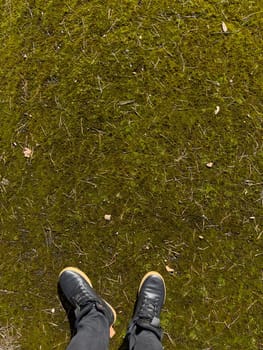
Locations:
{"points": [[92, 333], [90, 316], [145, 340], [144, 331]]}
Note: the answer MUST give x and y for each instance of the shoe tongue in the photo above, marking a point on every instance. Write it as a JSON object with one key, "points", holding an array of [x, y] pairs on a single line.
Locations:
{"points": [[155, 322]]}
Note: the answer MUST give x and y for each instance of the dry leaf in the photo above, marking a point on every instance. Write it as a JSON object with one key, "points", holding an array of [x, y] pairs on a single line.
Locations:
{"points": [[27, 152], [217, 110], [4, 182], [224, 27], [169, 269], [107, 217], [209, 164]]}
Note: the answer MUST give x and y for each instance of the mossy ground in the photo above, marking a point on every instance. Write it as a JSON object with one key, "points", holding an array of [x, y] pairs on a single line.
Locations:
{"points": [[117, 100]]}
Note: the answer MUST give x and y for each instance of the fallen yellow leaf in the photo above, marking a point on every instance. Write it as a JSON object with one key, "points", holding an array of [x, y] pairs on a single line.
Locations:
{"points": [[224, 27], [169, 269]]}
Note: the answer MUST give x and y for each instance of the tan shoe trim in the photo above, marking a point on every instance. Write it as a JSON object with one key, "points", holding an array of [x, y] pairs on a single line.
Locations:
{"points": [[78, 271]]}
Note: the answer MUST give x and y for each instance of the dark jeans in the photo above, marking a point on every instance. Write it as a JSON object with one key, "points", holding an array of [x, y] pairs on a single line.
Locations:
{"points": [[93, 334]]}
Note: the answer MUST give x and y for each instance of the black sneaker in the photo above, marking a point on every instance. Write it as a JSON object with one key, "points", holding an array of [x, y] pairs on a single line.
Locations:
{"points": [[150, 299], [77, 296]]}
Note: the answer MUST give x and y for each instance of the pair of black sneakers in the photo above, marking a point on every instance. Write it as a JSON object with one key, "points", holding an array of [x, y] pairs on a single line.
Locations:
{"points": [[78, 296]]}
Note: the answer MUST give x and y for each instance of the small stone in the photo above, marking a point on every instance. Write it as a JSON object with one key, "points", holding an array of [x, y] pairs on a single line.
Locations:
{"points": [[28, 152], [107, 217], [209, 164]]}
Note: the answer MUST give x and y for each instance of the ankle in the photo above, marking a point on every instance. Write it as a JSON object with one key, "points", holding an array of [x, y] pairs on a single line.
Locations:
{"points": [[92, 309], [139, 325]]}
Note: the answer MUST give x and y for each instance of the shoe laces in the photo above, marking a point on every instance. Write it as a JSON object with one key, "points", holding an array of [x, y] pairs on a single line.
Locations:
{"points": [[83, 297], [148, 309]]}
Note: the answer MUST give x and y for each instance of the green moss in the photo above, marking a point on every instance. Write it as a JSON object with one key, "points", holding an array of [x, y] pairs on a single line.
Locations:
{"points": [[118, 104]]}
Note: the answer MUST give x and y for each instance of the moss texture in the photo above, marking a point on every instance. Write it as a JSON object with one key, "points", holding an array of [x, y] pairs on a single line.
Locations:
{"points": [[123, 104]]}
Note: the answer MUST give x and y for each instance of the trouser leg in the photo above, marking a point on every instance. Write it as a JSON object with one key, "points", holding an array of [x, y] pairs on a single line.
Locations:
{"points": [[92, 332], [145, 340], [144, 337]]}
